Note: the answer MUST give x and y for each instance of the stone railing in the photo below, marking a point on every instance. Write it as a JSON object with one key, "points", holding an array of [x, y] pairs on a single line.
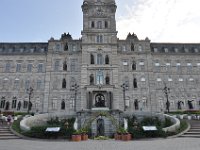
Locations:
{"points": [[175, 126]]}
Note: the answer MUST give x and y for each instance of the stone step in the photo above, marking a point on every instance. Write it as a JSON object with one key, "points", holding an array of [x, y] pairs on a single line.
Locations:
{"points": [[9, 137], [7, 134], [194, 130], [190, 132], [4, 130], [1, 132], [190, 136]]}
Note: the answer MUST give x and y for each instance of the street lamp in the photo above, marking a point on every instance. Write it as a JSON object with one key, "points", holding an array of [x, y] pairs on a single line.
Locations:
{"points": [[124, 87], [30, 92], [166, 91], [75, 88]]}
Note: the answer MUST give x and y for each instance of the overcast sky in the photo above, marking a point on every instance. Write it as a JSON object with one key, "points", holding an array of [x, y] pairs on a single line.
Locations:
{"points": [[159, 20]]}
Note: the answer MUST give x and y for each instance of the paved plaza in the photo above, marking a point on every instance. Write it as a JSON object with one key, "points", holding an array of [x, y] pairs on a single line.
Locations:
{"points": [[156, 144]]}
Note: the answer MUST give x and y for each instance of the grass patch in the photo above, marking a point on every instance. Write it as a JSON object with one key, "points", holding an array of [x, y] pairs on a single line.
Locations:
{"points": [[183, 126], [101, 138], [16, 126]]}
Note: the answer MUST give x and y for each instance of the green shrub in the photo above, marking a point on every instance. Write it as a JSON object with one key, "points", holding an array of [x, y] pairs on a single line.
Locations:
{"points": [[167, 122]]}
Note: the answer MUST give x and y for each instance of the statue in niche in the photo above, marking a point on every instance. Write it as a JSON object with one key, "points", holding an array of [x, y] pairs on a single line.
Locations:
{"points": [[132, 47], [66, 47], [190, 105], [91, 79], [107, 80], [180, 103], [19, 105], [136, 104], [100, 101]]}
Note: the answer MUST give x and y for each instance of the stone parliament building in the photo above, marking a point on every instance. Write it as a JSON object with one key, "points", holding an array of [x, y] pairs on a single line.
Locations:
{"points": [[99, 71]]}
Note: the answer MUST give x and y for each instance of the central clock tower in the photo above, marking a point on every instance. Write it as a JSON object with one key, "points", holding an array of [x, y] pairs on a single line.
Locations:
{"points": [[99, 70]]}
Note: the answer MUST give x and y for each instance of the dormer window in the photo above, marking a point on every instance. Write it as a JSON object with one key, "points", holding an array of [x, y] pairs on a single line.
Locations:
{"points": [[186, 50], [123, 48], [155, 50], [166, 50], [140, 48], [196, 50], [176, 50]]}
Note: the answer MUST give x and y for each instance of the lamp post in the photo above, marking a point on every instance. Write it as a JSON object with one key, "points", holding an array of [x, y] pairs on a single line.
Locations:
{"points": [[75, 88], [124, 87], [166, 91], [30, 92]]}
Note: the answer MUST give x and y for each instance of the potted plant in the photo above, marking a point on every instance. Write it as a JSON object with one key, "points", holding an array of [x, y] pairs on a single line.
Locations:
{"points": [[84, 135], [118, 135], [125, 135], [76, 136]]}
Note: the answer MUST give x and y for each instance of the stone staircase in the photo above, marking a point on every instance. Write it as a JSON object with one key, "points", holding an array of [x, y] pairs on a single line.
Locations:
{"points": [[6, 134], [194, 131]]}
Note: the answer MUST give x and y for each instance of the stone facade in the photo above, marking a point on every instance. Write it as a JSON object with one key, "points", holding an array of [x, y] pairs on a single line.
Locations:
{"points": [[99, 70]]}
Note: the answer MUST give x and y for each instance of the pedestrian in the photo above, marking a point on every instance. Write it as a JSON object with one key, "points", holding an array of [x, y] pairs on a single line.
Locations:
{"points": [[1, 118], [9, 119]]}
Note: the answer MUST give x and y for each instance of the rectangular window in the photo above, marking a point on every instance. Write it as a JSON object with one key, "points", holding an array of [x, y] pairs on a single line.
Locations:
{"points": [[16, 84], [73, 65], [27, 84], [56, 65], [100, 78], [18, 68], [39, 84], [29, 67], [40, 68], [8, 66], [73, 48], [99, 38], [25, 105]]}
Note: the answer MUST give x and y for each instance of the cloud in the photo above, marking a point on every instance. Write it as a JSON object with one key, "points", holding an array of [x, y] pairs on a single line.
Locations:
{"points": [[160, 20]]}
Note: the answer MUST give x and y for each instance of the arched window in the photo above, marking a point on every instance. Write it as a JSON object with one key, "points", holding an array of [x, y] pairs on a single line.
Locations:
{"points": [[132, 47], [7, 106], [63, 105], [64, 66], [134, 66], [91, 79], [3, 102], [92, 24], [64, 84], [14, 102], [99, 59], [106, 24], [135, 83], [92, 59], [56, 67], [107, 80], [66, 47], [107, 60]]}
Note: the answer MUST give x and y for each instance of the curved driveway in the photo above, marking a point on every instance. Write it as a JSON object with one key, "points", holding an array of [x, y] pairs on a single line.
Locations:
{"points": [[157, 144]]}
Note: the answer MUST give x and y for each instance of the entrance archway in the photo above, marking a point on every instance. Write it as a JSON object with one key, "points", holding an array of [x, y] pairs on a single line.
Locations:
{"points": [[100, 100]]}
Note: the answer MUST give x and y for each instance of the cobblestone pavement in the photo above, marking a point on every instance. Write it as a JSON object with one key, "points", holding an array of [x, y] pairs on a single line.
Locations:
{"points": [[157, 144]]}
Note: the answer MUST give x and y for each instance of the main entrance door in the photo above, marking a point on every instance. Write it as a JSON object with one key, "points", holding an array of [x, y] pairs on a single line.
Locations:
{"points": [[100, 127]]}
